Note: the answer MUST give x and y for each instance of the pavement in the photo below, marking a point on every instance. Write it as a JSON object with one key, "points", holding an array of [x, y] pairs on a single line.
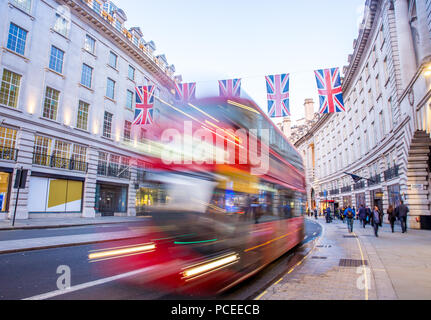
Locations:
{"points": [[391, 267]]}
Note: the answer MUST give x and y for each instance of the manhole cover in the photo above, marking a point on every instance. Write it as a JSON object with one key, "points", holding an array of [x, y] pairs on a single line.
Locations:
{"points": [[352, 263]]}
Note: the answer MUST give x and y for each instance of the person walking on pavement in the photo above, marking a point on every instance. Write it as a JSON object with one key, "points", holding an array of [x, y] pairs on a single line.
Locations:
{"points": [[391, 216], [376, 220], [350, 215], [328, 215], [315, 213], [368, 213], [362, 215], [401, 212]]}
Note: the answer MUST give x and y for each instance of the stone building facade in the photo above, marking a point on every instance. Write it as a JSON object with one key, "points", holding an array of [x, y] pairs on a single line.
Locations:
{"points": [[69, 69], [384, 135]]}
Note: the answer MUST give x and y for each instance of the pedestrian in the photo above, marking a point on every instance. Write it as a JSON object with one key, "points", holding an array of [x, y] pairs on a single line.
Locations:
{"points": [[362, 215], [376, 220], [328, 215], [342, 214], [401, 212], [350, 215], [368, 212], [391, 216], [315, 213]]}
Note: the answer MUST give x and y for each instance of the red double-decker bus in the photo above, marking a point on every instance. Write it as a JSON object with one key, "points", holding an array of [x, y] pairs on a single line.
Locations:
{"points": [[234, 196]]}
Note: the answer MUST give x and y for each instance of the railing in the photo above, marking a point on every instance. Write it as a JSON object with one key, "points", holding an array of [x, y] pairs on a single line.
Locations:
{"points": [[346, 189], [58, 162], [334, 191], [374, 180], [113, 170], [391, 173], [8, 153], [359, 185]]}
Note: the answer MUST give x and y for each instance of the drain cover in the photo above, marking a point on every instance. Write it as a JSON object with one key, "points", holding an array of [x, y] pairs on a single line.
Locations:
{"points": [[317, 257], [348, 236], [352, 263], [324, 246]]}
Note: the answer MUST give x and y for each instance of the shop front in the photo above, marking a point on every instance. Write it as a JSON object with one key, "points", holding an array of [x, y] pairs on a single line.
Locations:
{"points": [[347, 201], [150, 195], [111, 199], [394, 195], [377, 199], [54, 194], [5, 188], [360, 200]]}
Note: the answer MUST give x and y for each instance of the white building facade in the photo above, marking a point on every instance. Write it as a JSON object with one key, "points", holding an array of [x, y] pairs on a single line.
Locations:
{"points": [[384, 135], [69, 69]]}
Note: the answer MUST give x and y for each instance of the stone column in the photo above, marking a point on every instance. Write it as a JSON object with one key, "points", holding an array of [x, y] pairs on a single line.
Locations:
{"points": [[90, 184], [131, 201], [405, 42], [25, 143]]}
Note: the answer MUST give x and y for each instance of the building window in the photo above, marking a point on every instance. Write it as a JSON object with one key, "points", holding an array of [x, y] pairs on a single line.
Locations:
{"points": [[113, 60], [50, 105], [56, 59], [110, 88], [10, 88], [17, 38], [89, 44], [7, 144], [61, 24], [131, 73], [107, 124], [129, 101], [378, 92], [79, 157], [24, 5], [61, 155], [42, 150], [385, 69], [86, 75], [127, 130], [382, 124], [82, 121]]}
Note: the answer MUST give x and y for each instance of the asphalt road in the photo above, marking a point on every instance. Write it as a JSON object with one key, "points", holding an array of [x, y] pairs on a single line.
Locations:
{"points": [[31, 273]]}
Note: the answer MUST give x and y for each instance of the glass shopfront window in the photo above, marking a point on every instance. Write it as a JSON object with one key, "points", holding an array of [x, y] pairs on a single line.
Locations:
{"points": [[360, 200], [149, 195], [394, 195], [110, 199], [4, 190]]}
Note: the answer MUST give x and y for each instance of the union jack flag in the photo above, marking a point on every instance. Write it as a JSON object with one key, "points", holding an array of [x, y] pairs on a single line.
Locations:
{"points": [[277, 87], [230, 88], [330, 92], [144, 105], [185, 91]]}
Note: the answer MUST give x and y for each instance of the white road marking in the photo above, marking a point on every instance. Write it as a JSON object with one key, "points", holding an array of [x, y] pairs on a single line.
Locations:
{"points": [[87, 285]]}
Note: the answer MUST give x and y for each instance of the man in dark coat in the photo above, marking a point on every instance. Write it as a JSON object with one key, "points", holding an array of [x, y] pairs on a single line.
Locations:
{"points": [[362, 215], [401, 212]]}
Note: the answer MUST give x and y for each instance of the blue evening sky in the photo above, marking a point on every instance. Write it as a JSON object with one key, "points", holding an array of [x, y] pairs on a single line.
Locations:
{"points": [[210, 40]]}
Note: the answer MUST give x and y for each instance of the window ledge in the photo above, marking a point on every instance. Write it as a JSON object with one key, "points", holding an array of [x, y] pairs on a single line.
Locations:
{"points": [[81, 130], [128, 109], [84, 86], [16, 53], [62, 35], [12, 5], [106, 138], [55, 72], [89, 52], [131, 80], [112, 68], [112, 100], [50, 120], [11, 108]]}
